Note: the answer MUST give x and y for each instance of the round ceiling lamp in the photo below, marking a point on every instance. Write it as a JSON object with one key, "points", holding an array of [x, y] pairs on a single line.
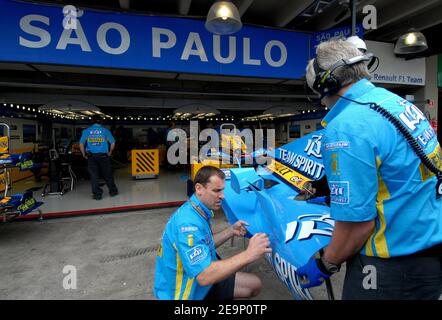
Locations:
{"points": [[411, 42], [223, 18]]}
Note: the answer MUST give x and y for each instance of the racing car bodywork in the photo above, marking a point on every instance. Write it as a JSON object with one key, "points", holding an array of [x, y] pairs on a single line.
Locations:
{"points": [[272, 200]]}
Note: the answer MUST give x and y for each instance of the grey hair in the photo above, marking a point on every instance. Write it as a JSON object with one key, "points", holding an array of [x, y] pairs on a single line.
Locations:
{"points": [[330, 52]]}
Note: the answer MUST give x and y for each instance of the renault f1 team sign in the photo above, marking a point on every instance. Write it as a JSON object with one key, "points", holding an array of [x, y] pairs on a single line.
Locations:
{"points": [[38, 33]]}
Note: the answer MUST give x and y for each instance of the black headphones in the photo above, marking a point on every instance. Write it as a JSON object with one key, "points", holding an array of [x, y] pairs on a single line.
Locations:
{"points": [[325, 83]]}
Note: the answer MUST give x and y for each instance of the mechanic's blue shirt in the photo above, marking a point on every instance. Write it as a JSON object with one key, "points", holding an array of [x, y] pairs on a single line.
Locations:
{"points": [[373, 173], [187, 248], [96, 138]]}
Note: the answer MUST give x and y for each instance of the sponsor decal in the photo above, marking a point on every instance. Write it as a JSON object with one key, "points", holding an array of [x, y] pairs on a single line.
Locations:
{"points": [[28, 164], [27, 205], [196, 254], [335, 165], [309, 225], [337, 145], [188, 229], [95, 140], [303, 164], [412, 116], [190, 240], [313, 147], [286, 272], [339, 192], [287, 174]]}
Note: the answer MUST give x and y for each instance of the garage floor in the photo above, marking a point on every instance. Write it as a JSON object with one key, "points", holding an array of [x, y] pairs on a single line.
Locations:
{"points": [[114, 256], [168, 187]]}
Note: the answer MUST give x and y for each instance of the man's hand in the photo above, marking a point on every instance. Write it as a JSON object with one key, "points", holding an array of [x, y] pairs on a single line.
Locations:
{"points": [[310, 274], [84, 156], [259, 245], [238, 229], [109, 154]]}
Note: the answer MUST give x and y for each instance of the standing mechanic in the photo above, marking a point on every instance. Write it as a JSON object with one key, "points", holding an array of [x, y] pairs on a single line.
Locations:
{"points": [[385, 199], [97, 154], [187, 266]]}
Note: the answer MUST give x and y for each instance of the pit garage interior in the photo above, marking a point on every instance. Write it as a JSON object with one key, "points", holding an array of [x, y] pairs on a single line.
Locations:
{"points": [[47, 105]]}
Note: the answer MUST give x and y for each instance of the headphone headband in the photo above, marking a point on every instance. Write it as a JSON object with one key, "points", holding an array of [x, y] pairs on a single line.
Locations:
{"points": [[325, 83]]}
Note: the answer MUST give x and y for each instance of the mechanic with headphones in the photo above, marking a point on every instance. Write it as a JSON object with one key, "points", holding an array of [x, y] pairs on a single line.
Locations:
{"points": [[383, 164]]}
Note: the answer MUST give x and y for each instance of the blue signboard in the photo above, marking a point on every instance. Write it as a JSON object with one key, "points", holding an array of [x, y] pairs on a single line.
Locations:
{"points": [[341, 32], [39, 33]]}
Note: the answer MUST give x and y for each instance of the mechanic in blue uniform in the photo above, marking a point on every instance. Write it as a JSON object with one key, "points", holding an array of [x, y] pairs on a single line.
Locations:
{"points": [[187, 266], [97, 140], [384, 199]]}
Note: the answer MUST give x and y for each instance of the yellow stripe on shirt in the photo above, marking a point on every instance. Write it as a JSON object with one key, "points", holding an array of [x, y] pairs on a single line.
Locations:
{"points": [[380, 241], [178, 277], [188, 288], [436, 159]]}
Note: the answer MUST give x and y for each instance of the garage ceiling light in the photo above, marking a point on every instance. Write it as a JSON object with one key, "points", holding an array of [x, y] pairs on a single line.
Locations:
{"points": [[223, 18], [411, 42]]}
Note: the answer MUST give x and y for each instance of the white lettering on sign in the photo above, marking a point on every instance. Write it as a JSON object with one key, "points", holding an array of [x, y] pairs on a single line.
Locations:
{"points": [[37, 36], [80, 38], [124, 35], [411, 116], [157, 44], [217, 50], [194, 39], [268, 56], [42, 34], [246, 57]]}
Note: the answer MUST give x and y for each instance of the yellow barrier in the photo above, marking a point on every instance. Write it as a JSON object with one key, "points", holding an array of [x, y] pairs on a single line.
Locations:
{"points": [[145, 163]]}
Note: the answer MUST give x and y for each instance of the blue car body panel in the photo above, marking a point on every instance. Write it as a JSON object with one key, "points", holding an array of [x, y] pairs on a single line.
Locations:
{"points": [[297, 229]]}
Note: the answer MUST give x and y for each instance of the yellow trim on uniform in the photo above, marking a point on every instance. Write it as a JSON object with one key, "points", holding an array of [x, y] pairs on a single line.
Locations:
{"points": [[436, 158], [190, 240], [160, 250], [324, 123], [380, 242], [368, 246], [178, 277], [188, 288]]}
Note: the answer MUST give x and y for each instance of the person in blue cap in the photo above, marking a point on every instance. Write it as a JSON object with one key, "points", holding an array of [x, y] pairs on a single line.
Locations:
{"points": [[383, 165], [97, 152], [187, 266]]}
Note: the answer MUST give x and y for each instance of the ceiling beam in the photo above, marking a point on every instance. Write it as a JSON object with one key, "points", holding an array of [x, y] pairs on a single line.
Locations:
{"points": [[184, 7], [395, 13], [290, 11], [124, 4], [420, 22], [326, 20], [243, 5]]}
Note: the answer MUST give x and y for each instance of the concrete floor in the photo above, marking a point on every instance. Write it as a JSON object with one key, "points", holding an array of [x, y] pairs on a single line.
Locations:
{"points": [[114, 256]]}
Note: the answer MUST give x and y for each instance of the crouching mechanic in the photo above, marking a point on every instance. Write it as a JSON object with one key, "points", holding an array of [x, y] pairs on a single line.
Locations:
{"points": [[187, 267], [384, 173]]}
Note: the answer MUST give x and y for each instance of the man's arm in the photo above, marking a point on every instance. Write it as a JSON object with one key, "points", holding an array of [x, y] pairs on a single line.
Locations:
{"points": [[82, 150], [112, 147], [222, 269], [236, 229], [347, 239]]}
